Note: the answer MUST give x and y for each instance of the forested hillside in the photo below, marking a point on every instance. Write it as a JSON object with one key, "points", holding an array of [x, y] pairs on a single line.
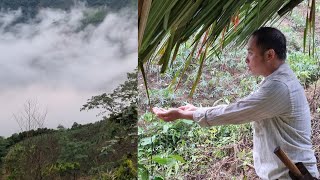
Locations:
{"points": [[30, 8], [63, 4], [102, 150]]}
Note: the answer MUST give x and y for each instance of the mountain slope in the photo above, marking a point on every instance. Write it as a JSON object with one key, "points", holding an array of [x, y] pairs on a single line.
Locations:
{"points": [[105, 148]]}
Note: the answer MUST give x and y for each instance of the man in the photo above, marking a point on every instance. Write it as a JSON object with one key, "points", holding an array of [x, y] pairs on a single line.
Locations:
{"points": [[278, 109]]}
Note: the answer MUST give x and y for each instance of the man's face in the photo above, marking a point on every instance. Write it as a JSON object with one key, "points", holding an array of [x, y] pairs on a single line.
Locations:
{"points": [[255, 59]]}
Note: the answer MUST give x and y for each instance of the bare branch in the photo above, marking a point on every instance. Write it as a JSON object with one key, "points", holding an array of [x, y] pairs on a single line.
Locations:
{"points": [[31, 117]]}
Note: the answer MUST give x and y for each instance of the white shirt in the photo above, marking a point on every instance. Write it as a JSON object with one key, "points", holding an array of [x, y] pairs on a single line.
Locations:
{"points": [[281, 117]]}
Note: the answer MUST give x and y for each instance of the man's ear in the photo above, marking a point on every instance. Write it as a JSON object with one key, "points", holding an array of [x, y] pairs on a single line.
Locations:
{"points": [[270, 54]]}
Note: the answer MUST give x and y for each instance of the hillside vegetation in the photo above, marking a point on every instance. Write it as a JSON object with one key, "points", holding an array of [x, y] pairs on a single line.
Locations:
{"points": [[30, 8], [184, 150], [103, 150]]}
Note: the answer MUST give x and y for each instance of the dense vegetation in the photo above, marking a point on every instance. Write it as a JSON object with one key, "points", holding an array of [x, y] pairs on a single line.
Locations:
{"points": [[182, 149], [30, 8], [102, 150]]}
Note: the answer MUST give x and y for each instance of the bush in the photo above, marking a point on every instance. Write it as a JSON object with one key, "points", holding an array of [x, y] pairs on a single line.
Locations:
{"points": [[126, 170]]}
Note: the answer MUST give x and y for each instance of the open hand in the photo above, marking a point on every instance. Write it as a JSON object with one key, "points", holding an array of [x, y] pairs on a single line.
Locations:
{"points": [[170, 114]]}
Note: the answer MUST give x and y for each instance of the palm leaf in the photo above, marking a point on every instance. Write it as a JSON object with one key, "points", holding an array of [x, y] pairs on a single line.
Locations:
{"points": [[202, 59], [187, 64], [172, 22]]}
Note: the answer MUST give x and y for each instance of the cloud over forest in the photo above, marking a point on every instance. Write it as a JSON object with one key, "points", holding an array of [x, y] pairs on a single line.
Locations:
{"points": [[57, 48]]}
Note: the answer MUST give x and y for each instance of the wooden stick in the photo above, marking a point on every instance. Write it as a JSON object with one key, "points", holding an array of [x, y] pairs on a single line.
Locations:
{"points": [[285, 159]]}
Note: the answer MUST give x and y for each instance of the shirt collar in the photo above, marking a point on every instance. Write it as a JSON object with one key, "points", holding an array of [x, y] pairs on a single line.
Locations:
{"points": [[282, 68]]}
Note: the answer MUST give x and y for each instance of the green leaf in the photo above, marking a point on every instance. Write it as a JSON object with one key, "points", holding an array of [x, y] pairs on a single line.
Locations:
{"points": [[187, 121], [140, 64], [187, 64], [160, 160], [177, 157], [166, 127], [196, 82], [158, 178], [143, 172], [166, 56]]}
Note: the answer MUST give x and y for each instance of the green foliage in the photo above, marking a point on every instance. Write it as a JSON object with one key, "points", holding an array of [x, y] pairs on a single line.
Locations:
{"points": [[163, 96], [94, 16], [7, 143], [171, 149], [75, 125], [15, 138], [61, 127], [305, 67], [63, 169], [59, 4], [123, 96], [17, 154], [3, 148], [159, 141], [223, 81], [73, 152], [170, 24], [126, 171], [34, 5], [108, 175], [30, 8], [128, 116], [89, 151], [113, 4]]}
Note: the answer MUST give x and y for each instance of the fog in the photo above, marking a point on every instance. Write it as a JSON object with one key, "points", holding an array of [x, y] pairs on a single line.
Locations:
{"points": [[54, 59]]}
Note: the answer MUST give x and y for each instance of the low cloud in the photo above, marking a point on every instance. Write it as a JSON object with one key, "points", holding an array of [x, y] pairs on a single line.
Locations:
{"points": [[54, 49], [60, 61]]}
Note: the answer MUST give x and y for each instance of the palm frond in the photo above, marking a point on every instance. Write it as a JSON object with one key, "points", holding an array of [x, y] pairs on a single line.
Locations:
{"points": [[172, 22]]}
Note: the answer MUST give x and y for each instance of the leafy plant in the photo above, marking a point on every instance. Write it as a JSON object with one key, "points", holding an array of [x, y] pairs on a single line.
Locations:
{"points": [[123, 96], [165, 26], [305, 67], [126, 171]]}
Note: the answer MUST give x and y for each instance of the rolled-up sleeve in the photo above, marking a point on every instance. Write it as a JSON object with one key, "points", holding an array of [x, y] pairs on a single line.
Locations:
{"points": [[270, 100]]}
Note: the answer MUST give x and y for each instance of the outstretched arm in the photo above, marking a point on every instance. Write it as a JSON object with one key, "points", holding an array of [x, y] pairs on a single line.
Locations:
{"points": [[272, 99], [173, 113]]}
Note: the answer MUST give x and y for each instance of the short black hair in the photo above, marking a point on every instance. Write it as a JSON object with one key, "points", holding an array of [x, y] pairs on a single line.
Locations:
{"points": [[271, 38]]}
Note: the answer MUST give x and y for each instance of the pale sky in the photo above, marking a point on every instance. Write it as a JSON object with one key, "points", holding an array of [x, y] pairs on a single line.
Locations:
{"points": [[52, 60]]}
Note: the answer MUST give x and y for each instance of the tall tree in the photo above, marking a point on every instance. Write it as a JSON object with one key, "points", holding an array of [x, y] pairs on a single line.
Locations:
{"points": [[124, 96]]}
